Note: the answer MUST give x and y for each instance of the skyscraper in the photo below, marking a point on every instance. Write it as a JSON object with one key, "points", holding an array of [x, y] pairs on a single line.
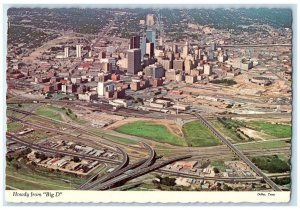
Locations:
{"points": [[151, 36], [150, 20], [66, 51], [134, 42], [185, 51], [150, 49], [134, 61], [143, 45], [78, 51]]}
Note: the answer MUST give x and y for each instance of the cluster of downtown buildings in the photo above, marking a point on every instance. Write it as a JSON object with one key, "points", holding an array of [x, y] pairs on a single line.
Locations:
{"points": [[90, 71]]}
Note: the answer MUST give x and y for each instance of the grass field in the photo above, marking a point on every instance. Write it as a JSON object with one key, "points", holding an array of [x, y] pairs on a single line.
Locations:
{"points": [[152, 131], [197, 135], [47, 112], [264, 145], [36, 135], [57, 113], [219, 165], [275, 130], [233, 137], [39, 179], [14, 126]]}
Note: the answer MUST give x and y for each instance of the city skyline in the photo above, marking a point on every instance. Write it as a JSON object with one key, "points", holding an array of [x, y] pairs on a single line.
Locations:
{"points": [[150, 99]]}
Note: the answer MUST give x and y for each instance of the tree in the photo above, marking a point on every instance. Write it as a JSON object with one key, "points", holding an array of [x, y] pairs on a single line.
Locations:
{"points": [[76, 159], [216, 170]]}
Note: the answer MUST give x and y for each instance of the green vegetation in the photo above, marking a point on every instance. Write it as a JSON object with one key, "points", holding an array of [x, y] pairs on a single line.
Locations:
{"points": [[219, 164], [275, 130], [152, 131], [271, 164], [36, 135], [282, 181], [264, 145], [197, 135], [57, 113], [46, 112], [227, 131], [14, 126], [27, 177], [119, 139], [226, 82]]}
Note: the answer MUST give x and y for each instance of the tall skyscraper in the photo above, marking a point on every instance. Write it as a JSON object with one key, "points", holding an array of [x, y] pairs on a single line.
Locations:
{"points": [[213, 46], [150, 49], [134, 42], [151, 36], [175, 48], [78, 51], [66, 51], [150, 20], [143, 45], [134, 61], [185, 51]]}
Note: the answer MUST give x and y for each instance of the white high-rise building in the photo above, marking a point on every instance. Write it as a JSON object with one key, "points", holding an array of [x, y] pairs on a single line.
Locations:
{"points": [[185, 51], [100, 88], [150, 20], [78, 51], [66, 52]]}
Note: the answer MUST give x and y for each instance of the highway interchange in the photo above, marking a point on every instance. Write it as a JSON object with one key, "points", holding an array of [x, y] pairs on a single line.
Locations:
{"points": [[125, 169]]}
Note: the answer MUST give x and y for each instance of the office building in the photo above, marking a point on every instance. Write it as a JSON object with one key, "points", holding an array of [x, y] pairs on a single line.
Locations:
{"points": [[150, 20], [188, 66], [207, 69], [134, 61], [155, 71], [151, 36], [150, 49], [134, 42], [66, 52], [166, 63], [175, 48], [213, 46], [178, 64], [78, 51], [143, 41], [185, 51]]}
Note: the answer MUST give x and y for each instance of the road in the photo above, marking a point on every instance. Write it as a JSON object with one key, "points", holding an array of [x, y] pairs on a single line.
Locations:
{"points": [[46, 149], [136, 166], [238, 153], [136, 173]]}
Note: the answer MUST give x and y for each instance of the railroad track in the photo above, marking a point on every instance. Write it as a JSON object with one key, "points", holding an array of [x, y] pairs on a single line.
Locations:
{"points": [[49, 150], [238, 153]]}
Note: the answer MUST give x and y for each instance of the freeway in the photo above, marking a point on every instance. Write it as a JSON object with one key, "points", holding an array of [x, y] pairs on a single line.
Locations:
{"points": [[122, 165], [230, 179], [239, 154], [136, 173], [109, 144], [46, 149], [137, 166]]}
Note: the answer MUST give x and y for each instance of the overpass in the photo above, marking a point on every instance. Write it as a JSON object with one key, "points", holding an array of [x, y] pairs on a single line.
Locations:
{"points": [[238, 153], [137, 166]]}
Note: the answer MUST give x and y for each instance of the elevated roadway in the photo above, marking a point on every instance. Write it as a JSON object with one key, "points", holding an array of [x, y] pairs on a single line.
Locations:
{"points": [[238, 153], [136, 173], [137, 166]]}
